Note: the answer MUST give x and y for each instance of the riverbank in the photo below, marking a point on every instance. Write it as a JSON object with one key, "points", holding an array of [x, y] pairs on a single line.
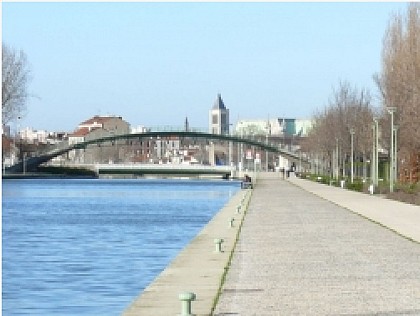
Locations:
{"points": [[53, 172], [45, 176], [58, 172], [199, 268]]}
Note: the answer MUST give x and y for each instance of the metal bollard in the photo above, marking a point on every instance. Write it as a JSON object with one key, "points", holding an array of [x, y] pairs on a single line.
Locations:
{"points": [[231, 222], [186, 298], [218, 243]]}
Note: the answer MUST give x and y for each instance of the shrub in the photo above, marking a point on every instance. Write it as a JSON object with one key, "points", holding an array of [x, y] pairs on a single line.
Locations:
{"points": [[355, 186]]}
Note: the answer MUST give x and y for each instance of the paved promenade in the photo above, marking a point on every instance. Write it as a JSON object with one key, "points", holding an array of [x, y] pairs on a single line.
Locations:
{"points": [[400, 217], [299, 254]]}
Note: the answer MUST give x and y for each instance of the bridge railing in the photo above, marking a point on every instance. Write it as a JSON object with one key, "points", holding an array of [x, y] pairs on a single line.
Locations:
{"points": [[53, 148], [171, 128], [252, 140], [249, 140]]}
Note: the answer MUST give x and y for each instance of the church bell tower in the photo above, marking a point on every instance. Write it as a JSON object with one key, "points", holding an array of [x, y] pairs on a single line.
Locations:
{"points": [[219, 118]]}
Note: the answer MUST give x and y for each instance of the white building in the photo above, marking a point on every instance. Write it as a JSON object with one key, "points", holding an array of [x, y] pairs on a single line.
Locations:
{"points": [[95, 128], [274, 127], [253, 127], [99, 126], [167, 148], [138, 129], [32, 136]]}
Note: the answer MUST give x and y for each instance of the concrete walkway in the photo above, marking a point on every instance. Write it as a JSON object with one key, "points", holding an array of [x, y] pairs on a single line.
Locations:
{"points": [[299, 254], [400, 217]]}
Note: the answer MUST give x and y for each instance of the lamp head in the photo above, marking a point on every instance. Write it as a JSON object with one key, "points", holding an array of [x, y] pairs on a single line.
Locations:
{"points": [[391, 109]]}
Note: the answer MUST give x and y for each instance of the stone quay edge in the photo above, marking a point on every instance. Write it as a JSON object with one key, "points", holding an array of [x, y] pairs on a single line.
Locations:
{"points": [[199, 268]]}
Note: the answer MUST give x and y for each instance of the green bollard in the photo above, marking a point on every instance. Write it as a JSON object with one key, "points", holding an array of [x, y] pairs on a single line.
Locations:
{"points": [[231, 222], [218, 243], [186, 298]]}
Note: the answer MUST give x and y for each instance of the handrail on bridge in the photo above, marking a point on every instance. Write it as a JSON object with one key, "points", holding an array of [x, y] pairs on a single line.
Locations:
{"points": [[61, 149], [234, 138]]}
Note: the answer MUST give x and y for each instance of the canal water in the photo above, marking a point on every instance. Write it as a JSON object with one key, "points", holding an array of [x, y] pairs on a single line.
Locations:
{"points": [[89, 247]]}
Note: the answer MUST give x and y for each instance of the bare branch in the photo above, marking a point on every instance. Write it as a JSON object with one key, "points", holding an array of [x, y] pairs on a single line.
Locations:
{"points": [[15, 77]]}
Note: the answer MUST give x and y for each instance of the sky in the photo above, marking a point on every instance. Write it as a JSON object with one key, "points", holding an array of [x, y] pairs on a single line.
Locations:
{"points": [[154, 64]]}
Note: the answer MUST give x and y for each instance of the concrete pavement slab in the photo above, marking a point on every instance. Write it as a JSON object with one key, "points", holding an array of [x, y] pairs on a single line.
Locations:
{"points": [[299, 254], [398, 216]]}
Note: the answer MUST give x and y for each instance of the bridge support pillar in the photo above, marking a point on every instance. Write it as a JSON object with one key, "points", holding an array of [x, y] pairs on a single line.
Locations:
{"points": [[211, 154], [283, 163]]}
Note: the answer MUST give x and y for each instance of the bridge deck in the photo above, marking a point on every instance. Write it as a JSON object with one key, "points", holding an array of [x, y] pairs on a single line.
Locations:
{"points": [[166, 169], [299, 254], [31, 163]]}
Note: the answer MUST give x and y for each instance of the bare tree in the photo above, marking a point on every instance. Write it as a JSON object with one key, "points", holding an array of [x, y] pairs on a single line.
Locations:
{"points": [[348, 109], [15, 77], [399, 84]]}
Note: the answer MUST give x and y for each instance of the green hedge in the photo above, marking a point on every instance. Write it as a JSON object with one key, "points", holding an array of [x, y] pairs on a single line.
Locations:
{"points": [[357, 184], [360, 186], [410, 188]]}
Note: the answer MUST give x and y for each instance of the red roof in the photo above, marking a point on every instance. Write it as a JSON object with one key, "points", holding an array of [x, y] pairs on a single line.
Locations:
{"points": [[81, 132], [93, 123], [98, 119]]}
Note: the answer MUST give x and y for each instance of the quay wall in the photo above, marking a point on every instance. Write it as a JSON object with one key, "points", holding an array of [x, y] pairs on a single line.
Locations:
{"points": [[199, 268]]}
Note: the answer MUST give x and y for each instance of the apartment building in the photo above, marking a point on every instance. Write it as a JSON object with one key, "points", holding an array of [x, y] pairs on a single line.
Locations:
{"points": [[94, 128]]}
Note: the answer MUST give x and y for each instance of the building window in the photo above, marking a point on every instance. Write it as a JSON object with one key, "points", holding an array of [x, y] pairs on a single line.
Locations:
{"points": [[214, 119], [223, 119]]}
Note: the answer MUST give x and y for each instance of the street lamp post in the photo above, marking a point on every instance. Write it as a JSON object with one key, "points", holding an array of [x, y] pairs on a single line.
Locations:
{"points": [[395, 153], [238, 155], [336, 171], [300, 161], [391, 111], [373, 161], [230, 147], [352, 155], [268, 137], [266, 154], [376, 180], [242, 150]]}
